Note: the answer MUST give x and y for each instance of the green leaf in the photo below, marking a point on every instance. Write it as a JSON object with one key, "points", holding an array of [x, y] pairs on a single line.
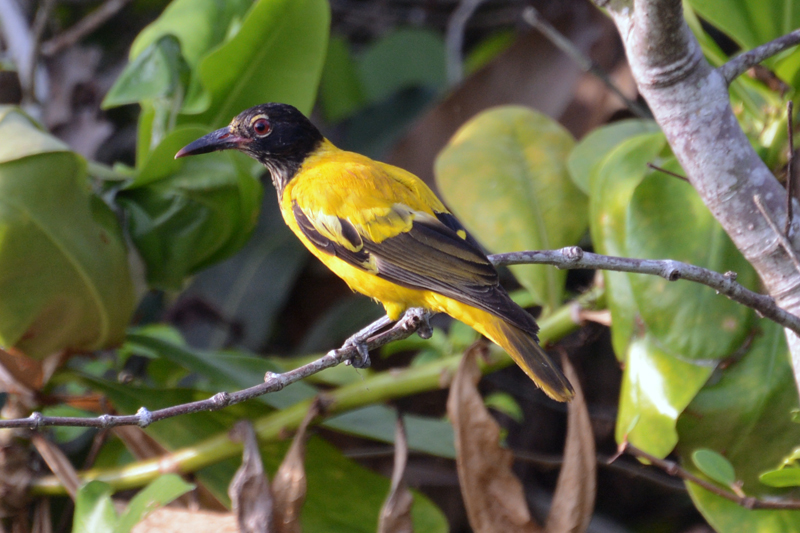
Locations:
{"points": [[159, 71], [750, 23], [594, 148], [401, 59], [506, 404], [187, 214], [656, 388], [714, 465], [64, 279], [94, 510], [155, 495], [489, 48], [782, 477], [747, 411], [667, 219], [340, 92], [276, 56], [612, 183], [504, 175]]}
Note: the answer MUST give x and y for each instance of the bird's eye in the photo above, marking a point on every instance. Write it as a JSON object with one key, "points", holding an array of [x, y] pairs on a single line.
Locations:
{"points": [[262, 127]]}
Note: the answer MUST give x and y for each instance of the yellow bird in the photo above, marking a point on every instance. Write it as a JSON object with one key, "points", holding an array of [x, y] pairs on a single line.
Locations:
{"points": [[383, 231]]}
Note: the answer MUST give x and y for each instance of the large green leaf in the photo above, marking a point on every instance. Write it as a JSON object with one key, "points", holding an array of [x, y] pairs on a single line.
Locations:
{"points": [[612, 183], [504, 175], [276, 56], [667, 219], [401, 59], [157, 494], [656, 388], [747, 416], [340, 92], [187, 214], [593, 149], [94, 510], [64, 279]]}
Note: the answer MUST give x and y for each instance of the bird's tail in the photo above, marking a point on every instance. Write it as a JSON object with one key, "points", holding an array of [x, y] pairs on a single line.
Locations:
{"points": [[531, 358]]}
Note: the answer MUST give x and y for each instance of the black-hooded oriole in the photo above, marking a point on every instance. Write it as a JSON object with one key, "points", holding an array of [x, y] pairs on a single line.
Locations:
{"points": [[383, 231]]}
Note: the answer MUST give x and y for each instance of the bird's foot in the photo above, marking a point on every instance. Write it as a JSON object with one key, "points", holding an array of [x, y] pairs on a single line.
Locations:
{"points": [[359, 341], [417, 318]]}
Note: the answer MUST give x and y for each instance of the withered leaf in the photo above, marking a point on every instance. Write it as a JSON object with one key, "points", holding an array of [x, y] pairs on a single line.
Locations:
{"points": [[493, 496], [58, 463], [573, 500], [249, 489], [289, 486], [396, 512], [169, 520]]}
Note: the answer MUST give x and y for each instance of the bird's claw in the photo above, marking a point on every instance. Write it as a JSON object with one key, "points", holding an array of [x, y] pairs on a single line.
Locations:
{"points": [[361, 359]]}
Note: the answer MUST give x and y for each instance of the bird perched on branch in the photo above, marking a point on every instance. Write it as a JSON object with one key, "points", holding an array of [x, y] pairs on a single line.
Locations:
{"points": [[384, 232]]}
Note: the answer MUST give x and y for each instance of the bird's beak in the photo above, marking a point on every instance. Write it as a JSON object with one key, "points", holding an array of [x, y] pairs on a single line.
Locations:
{"points": [[222, 139]]}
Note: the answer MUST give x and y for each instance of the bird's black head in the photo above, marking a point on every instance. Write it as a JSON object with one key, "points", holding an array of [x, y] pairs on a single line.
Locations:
{"points": [[277, 135]]}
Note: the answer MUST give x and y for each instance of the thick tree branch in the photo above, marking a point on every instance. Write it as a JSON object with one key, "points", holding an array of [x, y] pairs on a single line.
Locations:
{"points": [[689, 99], [744, 61]]}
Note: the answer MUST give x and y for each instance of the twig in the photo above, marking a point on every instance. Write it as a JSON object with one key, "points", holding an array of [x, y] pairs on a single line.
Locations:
{"points": [[789, 168], [674, 469], [667, 172], [454, 41], [39, 23], [532, 16], [784, 242], [82, 28], [574, 257], [739, 64], [402, 329]]}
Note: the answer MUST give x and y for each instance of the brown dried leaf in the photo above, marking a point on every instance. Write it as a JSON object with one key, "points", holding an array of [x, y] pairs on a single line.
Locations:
{"points": [[170, 520], [42, 523], [140, 444], [493, 496], [19, 374], [573, 500], [249, 489], [58, 463], [396, 512], [289, 486]]}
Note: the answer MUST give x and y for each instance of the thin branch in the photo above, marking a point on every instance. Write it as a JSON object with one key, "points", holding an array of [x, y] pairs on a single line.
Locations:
{"points": [[532, 16], [784, 242], [574, 257], [667, 172], [674, 469], [789, 168], [741, 63], [454, 40], [39, 24], [82, 28], [402, 329]]}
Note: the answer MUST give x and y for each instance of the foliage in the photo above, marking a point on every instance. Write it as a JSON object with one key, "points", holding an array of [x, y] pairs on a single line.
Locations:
{"points": [[703, 377]]}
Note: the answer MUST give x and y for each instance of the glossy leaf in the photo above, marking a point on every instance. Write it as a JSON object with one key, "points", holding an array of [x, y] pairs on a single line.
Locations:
{"points": [[64, 279], [157, 494], [656, 388], [747, 413], [185, 215], [401, 59], [159, 71], [593, 149], [714, 465], [94, 510], [612, 183], [504, 175], [783, 477], [340, 92], [667, 219], [277, 55]]}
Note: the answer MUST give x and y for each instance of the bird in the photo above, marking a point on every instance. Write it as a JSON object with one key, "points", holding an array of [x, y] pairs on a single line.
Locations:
{"points": [[384, 232]]}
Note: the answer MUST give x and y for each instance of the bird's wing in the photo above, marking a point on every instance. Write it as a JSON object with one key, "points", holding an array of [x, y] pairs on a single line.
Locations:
{"points": [[388, 222]]}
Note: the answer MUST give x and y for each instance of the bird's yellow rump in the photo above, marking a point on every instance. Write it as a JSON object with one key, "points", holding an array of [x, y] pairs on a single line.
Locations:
{"points": [[383, 231]]}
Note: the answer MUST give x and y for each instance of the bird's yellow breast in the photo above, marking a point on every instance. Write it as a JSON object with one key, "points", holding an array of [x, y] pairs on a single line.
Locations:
{"points": [[363, 191]]}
